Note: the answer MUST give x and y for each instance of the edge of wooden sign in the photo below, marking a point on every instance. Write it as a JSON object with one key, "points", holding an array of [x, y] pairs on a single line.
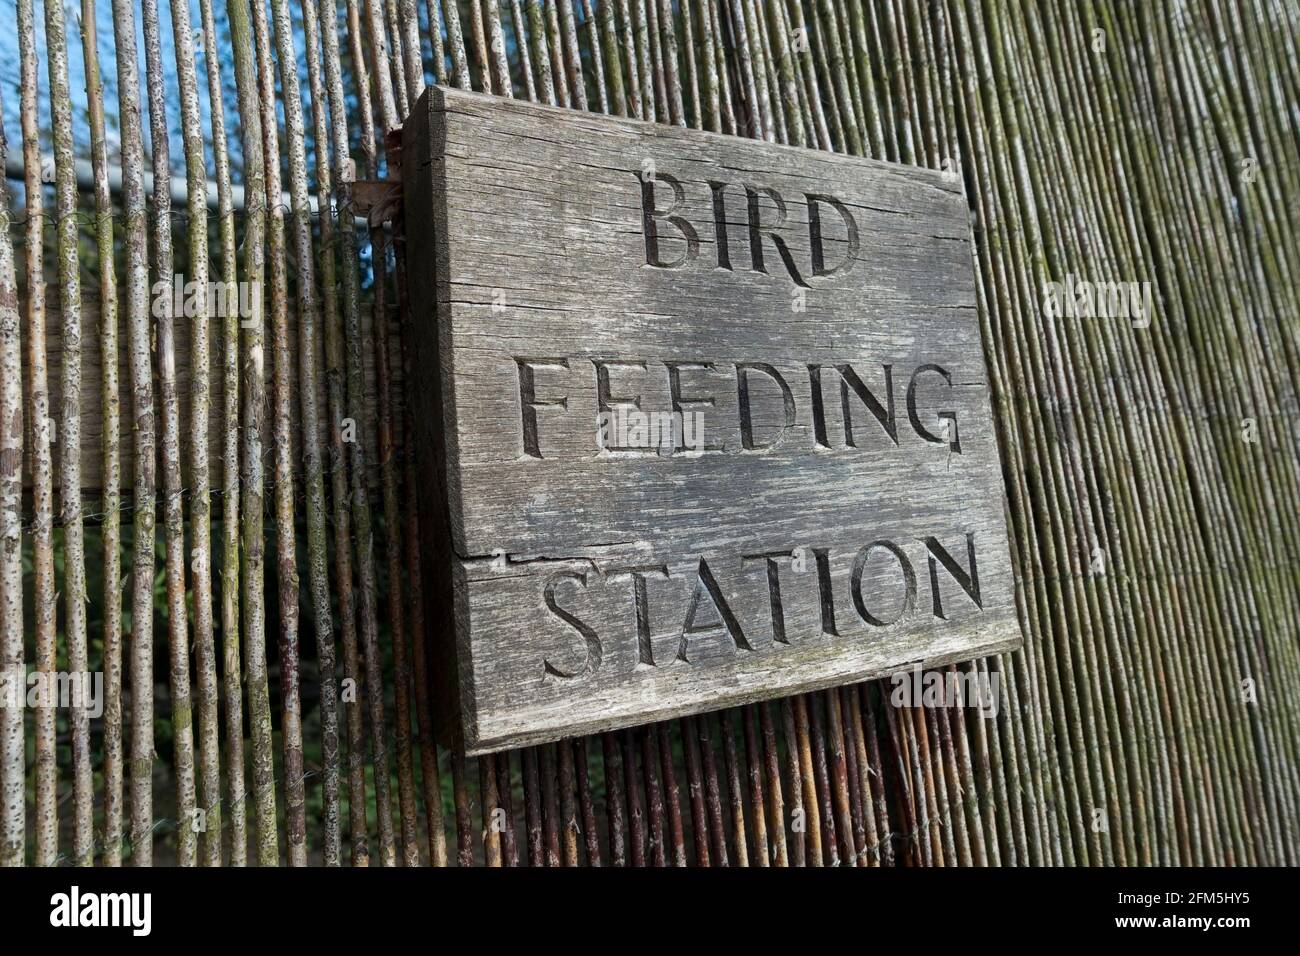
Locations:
{"points": [[443, 99], [424, 188], [476, 746]]}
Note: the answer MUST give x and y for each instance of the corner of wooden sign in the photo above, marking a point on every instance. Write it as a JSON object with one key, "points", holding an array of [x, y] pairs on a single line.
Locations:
{"points": [[430, 99]]}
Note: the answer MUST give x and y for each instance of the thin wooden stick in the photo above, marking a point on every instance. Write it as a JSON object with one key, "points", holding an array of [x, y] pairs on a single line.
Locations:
{"points": [[282, 489], [74, 548], [332, 166], [232, 690], [207, 822], [112, 475], [13, 823], [170, 447], [38, 400], [253, 393], [390, 440], [135, 230], [364, 531]]}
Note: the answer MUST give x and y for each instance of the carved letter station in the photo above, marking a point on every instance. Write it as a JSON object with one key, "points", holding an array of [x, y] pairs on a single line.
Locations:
{"points": [[701, 420]]}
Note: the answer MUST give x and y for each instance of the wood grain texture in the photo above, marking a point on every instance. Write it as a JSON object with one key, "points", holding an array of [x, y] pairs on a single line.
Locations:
{"points": [[839, 511]]}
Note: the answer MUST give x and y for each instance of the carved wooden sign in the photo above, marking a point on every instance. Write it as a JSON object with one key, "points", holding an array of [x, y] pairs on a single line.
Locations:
{"points": [[701, 421]]}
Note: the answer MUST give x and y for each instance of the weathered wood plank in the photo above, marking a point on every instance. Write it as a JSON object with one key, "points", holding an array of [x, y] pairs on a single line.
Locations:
{"points": [[830, 506]]}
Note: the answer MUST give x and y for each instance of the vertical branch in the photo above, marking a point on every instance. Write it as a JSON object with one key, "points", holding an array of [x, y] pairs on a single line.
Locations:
{"points": [[776, 803], [415, 576], [286, 558], [497, 42], [645, 75], [333, 342], [74, 549], [550, 805], [456, 40], [480, 45], [173, 513], [597, 59], [379, 68], [409, 21], [364, 537], [615, 804], [757, 792], [398, 73], [656, 59], [731, 764], [69, 294], [767, 60], [692, 72], [309, 353], [282, 376], [209, 796], [654, 794], [390, 440], [253, 394], [335, 227], [556, 55], [568, 818], [745, 62], [829, 35], [672, 71], [712, 84], [786, 73], [231, 681], [490, 796], [433, 9], [695, 784], [629, 56], [521, 45], [46, 770], [712, 795], [464, 825], [423, 710], [792, 20], [537, 35], [590, 833], [13, 668], [573, 58], [112, 476], [724, 74], [799, 851], [609, 40], [142, 417]]}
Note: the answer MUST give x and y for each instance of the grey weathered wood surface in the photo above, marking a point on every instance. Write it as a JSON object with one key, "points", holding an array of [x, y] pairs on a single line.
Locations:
{"points": [[526, 241]]}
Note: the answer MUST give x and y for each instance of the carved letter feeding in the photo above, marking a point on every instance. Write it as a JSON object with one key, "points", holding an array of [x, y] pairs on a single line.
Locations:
{"points": [[701, 420]]}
